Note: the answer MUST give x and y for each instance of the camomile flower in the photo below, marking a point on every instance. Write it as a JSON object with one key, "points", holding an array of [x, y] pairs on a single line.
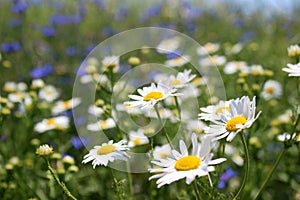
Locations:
{"points": [[180, 80], [241, 116], [107, 152], [10, 87], [55, 123], [271, 89], [212, 60], [161, 152], [95, 110], [111, 62], [137, 138], [178, 61], [212, 112], [168, 45], [208, 48], [293, 50], [149, 96], [48, 93], [62, 106], [182, 165], [293, 70], [235, 66], [37, 84], [286, 137], [102, 125]]}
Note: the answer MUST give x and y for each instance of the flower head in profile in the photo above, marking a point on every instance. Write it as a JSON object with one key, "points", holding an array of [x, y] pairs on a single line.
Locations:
{"points": [[213, 112], [55, 123], [107, 152], [44, 150], [241, 116], [62, 106], [293, 50], [181, 79], [184, 165], [293, 70], [149, 96], [137, 138]]}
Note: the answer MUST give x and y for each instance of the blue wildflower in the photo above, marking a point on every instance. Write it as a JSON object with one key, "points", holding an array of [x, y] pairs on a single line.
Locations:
{"points": [[48, 31], [225, 177], [10, 47], [79, 142], [40, 72], [174, 54], [19, 6], [14, 22], [71, 51]]}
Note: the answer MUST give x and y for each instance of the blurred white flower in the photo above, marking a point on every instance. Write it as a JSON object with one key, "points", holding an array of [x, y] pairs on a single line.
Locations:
{"points": [[62, 106], [271, 89], [49, 93], [293, 70], [168, 45], [55, 123]]}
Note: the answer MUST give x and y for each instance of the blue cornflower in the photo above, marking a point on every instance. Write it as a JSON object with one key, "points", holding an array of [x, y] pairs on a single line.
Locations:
{"points": [[14, 22], [10, 47], [174, 54], [71, 51], [225, 177], [48, 31], [19, 6], [40, 72], [79, 142]]}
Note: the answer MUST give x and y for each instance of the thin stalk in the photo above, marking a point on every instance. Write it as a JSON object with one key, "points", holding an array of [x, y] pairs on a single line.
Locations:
{"points": [[129, 178], [196, 190], [247, 166], [61, 184], [165, 131], [270, 174], [116, 185], [177, 106]]}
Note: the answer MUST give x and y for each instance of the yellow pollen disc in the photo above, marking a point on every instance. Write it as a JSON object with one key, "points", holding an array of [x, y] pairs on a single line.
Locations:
{"points": [[51, 121], [231, 124], [175, 82], [163, 155], [106, 149], [67, 104], [222, 109], [153, 95], [103, 124], [187, 163], [270, 90], [137, 141]]}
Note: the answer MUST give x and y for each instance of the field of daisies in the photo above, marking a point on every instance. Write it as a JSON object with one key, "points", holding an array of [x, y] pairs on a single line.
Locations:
{"points": [[148, 100]]}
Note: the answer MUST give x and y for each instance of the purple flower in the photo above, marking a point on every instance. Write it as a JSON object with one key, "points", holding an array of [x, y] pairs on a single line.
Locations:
{"points": [[71, 51], [121, 13], [48, 31], [79, 142], [65, 19], [174, 54], [14, 22], [225, 177], [41, 71], [19, 6], [10, 47], [249, 35]]}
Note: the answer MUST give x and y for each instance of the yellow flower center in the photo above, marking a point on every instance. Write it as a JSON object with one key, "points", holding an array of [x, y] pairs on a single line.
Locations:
{"points": [[222, 109], [106, 149], [153, 95], [187, 163], [137, 141], [175, 82], [103, 124], [67, 104], [270, 90], [163, 155], [231, 124], [51, 121]]}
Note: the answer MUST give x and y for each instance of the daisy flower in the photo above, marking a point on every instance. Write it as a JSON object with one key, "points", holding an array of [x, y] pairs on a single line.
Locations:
{"points": [[107, 152], [161, 152], [293, 70], [168, 45], [181, 80], [208, 48], [293, 50], [55, 123], [235, 66], [48, 93], [112, 62], [102, 125], [182, 165], [62, 106], [137, 138], [212, 60], [213, 111], [151, 95], [241, 116], [178, 61], [271, 89]]}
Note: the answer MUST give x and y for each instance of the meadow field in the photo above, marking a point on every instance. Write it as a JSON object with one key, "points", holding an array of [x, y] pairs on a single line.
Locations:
{"points": [[149, 100]]}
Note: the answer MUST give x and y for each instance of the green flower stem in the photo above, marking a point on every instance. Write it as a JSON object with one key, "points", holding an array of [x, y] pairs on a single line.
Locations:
{"points": [[177, 106], [247, 166], [196, 190], [129, 178], [116, 185], [165, 131], [61, 184], [270, 173]]}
